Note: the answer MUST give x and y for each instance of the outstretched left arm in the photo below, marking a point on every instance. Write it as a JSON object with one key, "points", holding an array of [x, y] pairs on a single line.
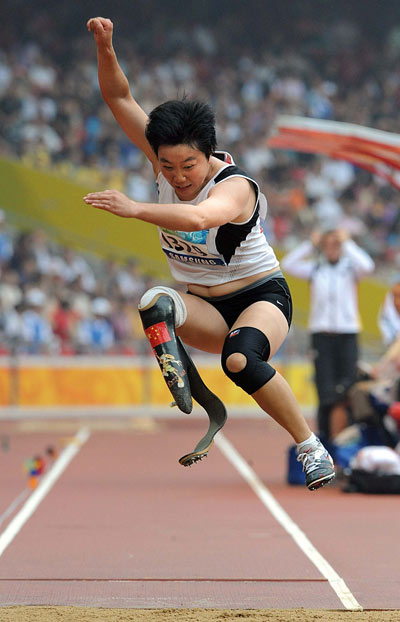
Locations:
{"points": [[225, 204]]}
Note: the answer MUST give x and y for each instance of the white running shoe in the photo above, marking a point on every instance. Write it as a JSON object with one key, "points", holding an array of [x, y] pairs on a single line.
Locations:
{"points": [[317, 465]]}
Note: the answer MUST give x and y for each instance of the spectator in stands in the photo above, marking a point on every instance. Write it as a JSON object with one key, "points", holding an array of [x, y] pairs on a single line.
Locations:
{"points": [[122, 320], [388, 366], [345, 70], [73, 265], [40, 249], [79, 299], [6, 244], [10, 328], [54, 118], [36, 335], [389, 313], [95, 333], [10, 291], [129, 282], [64, 322], [333, 265]]}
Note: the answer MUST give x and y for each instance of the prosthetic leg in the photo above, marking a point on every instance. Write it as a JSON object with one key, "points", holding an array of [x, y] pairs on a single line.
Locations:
{"points": [[158, 319], [180, 373], [213, 406]]}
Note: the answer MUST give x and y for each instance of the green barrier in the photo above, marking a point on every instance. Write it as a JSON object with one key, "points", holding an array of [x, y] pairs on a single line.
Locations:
{"points": [[371, 296], [37, 199]]}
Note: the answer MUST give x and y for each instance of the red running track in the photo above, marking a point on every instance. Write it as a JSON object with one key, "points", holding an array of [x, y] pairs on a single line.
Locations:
{"points": [[126, 526]]}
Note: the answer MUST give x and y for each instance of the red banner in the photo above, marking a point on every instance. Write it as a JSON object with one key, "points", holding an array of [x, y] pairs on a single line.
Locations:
{"points": [[376, 151]]}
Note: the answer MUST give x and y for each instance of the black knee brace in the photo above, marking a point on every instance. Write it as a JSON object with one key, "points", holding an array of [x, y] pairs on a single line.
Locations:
{"points": [[254, 345]]}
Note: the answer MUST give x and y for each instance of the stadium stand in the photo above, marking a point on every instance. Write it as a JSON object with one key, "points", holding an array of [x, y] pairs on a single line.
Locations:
{"points": [[52, 117]]}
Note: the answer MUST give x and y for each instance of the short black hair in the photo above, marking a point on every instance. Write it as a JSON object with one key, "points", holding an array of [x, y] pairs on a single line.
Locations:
{"points": [[182, 122]]}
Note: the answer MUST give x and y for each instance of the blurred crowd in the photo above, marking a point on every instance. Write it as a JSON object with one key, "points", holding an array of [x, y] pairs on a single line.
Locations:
{"points": [[341, 66], [56, 301]]}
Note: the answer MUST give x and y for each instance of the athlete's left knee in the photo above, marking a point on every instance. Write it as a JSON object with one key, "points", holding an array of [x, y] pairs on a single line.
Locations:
{"points": [[244, 358]]}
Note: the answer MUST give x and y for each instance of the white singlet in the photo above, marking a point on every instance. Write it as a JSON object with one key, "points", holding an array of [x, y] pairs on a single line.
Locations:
{"points": [[220, 254]]}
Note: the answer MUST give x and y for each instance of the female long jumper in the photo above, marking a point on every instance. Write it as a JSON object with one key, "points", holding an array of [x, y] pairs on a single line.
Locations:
{"points": [[237, 301]]}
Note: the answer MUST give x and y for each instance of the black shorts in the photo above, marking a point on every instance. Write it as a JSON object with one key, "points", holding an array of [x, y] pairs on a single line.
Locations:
{"points": [[274, 290]]}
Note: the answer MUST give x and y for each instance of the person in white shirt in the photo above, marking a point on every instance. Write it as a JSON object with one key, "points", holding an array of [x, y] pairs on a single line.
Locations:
{"points": [[389, 314], [209, 214], [388, 366], [333, 264]]}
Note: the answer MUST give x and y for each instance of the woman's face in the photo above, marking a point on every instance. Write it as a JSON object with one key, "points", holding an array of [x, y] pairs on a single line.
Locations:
{"points": [[185, 168], [331, 246]]}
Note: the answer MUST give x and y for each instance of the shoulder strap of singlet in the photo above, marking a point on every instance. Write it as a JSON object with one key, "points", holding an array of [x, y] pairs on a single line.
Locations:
{"points": [[233, 170], [228, 171]]}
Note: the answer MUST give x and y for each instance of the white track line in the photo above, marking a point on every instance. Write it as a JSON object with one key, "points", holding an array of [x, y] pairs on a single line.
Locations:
{"points": [[13, 506], [43, 488], [262, 492]]}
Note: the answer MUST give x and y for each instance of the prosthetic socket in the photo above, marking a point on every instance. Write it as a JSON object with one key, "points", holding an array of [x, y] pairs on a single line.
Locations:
{"points": [[158, 321]]}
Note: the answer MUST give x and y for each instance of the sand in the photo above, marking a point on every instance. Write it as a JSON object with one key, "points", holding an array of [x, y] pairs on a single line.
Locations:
{"points": [[85, 614]]}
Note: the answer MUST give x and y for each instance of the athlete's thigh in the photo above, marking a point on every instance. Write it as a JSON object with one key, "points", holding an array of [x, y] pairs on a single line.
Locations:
{"points": [[205, 328], [269, 319]]}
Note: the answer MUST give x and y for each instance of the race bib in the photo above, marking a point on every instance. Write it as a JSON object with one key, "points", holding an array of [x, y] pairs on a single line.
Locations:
{"points": [[189, 247]]}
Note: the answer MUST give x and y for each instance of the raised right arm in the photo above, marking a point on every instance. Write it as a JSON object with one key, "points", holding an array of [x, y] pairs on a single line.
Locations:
{"points": [[115, 89], [299, 261]]}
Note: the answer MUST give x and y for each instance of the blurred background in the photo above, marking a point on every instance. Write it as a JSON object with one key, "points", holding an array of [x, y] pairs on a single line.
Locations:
{"points": [[71, 278]]}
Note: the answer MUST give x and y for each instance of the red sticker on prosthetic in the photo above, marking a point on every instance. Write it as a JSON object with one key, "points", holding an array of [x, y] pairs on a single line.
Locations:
{"points": [[157, 334]]}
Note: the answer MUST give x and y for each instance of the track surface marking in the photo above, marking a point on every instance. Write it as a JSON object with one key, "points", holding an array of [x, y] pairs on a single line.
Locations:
{"points": [[43, 488], [14, 505], [262, 492], [127, 526]]}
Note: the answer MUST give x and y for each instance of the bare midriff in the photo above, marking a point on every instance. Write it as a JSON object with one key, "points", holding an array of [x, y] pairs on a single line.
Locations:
{"points": [[228, 288]]}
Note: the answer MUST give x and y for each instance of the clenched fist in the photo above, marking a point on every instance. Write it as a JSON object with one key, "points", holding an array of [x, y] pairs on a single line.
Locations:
{"points": [[102, 29]]}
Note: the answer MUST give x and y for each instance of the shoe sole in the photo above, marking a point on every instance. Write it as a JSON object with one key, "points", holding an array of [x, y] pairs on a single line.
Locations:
{"points": [[319, 483], [195, 456]]}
